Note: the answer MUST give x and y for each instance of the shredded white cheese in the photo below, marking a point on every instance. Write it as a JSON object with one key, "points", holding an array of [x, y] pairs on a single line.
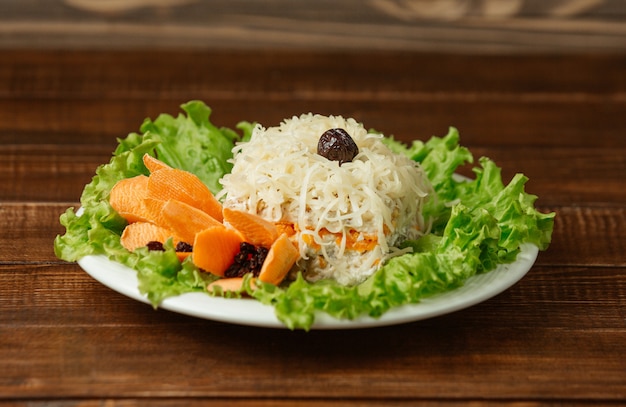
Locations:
{"points": [[375, 198]]}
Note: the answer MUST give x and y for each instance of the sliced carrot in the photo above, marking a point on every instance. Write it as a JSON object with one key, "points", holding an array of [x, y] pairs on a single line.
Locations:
{"points": [[171, 183], [139, 234], [254, 228], [231, 284], [185, 220], [214, 249], [127, 197], [280, 258], [286, 227], [154, 211], [226, 284], [358, 242], [309, 240], [182, 256], [153, 164]]}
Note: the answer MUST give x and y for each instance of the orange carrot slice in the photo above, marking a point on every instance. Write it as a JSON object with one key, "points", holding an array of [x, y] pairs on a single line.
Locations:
{"points": [[154, 211], [172, 183], [254, 228], [226, 284], [355, 241], [153, 164], [139, 234], [214, 249], [281, 257], [286, 227], [182, 256], [185, 220], [234, 284], [127, 197]]}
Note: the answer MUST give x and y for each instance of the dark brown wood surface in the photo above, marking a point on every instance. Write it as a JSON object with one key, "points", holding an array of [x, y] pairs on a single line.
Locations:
{"points": [[485, 26], [559, 335]]}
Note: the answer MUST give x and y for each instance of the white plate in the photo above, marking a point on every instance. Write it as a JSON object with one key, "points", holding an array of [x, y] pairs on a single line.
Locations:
{"points": [[251, 312]]}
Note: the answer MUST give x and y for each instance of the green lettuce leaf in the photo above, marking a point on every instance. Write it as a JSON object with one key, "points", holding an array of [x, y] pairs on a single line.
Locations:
{"points": [[162, 275], [97, 230], [189, 142], [440, 158], [476, 224], [192, 143]]}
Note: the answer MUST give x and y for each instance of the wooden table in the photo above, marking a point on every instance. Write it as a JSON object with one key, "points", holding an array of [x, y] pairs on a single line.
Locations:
{"points": [[558, 335]]}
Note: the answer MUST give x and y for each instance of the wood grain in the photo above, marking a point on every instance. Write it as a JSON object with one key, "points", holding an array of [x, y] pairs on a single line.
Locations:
{"points": [[74, 98], [35, 226], [578, 176], [556, 337], [549, 297], [533, 342], [145, 74], [550, 124], [487, 26]]}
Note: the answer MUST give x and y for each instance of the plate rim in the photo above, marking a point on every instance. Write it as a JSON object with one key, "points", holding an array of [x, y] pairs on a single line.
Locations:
{"points": [[250, 312]]}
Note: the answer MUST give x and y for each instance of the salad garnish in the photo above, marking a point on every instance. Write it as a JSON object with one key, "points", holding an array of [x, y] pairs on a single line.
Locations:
{"points": [[473, 224]]}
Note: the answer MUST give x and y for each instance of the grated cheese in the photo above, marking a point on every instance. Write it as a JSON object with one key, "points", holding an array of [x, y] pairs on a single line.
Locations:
{"points": [[279, 176]]}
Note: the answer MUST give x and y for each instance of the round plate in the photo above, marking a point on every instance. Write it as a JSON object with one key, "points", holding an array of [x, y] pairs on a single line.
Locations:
{"points": [[251, 312]]}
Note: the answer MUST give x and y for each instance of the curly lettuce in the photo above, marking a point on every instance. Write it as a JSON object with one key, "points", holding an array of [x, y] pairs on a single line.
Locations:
{"points": [[189, 141], [476, 224]]}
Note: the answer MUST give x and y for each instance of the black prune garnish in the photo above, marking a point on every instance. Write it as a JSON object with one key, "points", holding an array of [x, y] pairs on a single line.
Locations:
{"points": [[249, 260], [155, 246], [337, 145], [184, 247]]}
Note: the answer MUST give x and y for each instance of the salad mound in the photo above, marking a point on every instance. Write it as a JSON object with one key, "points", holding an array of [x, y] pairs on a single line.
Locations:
{"points": [[473, 225], [346, 216]]}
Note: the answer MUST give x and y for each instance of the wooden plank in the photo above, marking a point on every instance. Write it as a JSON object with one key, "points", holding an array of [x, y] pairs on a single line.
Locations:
{"points": [[581, 176], [48, 173], [601, 223], [288, 74], [526, 100], [552, 297], [556, 335], [497, 122], [34, 227], [69, 342], [216, 401], [458, 26], [575, 176]]}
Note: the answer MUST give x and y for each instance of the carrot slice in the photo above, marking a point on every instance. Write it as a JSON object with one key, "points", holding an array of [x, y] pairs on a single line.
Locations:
{"points": [[139, 234], [281, 257], [171, 183], [127, 197], [234, 284], [226, 284], [154, 211], [214, 249], [286, 227], [153, 164], [254, 228], [182, 256], [185, 220]]}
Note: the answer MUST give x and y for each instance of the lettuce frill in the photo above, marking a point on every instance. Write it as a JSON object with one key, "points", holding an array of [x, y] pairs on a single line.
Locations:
{"points": [[475, 224]]}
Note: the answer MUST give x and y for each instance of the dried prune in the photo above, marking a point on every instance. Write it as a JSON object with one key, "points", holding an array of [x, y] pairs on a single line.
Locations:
{"points": [[184, 247], [337, 145], [249, 260], [155, 246]]}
